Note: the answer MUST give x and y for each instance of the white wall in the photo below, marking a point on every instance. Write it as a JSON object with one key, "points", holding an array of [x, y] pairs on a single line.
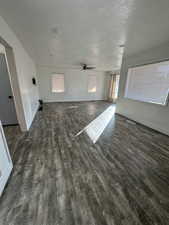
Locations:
{"points": [[151, 115], [76, 84], [25, 70]]}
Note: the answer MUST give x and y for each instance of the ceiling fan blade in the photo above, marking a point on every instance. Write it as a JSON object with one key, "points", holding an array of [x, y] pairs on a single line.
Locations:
{"points": [[85, 67], [90, 68]]}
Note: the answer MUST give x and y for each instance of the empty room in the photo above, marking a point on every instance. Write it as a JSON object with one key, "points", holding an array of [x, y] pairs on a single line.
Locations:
{"points": [[84, 112]]}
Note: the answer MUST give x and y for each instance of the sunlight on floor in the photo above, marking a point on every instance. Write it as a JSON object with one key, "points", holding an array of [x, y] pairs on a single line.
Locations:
{"points": [[97, 126]]}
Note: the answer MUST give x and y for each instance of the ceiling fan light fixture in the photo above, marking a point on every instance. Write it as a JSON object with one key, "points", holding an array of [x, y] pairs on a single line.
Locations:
{"points": [[122, 45]]}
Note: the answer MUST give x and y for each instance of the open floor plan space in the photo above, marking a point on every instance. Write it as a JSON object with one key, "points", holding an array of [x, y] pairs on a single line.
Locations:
{"points": [[61, 178]]}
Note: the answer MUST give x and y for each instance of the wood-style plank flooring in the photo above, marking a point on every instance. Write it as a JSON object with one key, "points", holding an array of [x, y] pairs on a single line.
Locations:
{"points": [[59, 179]]}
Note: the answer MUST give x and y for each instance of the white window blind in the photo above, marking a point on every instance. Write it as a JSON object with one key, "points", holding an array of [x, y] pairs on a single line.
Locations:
{"points": [[149, 83], [58, 83], [92, 83]]}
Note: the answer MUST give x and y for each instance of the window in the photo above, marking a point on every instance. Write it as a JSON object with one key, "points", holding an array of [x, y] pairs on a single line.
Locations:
{"points": [[115, 86], [149, 83], [58, 83], [92, 81]]}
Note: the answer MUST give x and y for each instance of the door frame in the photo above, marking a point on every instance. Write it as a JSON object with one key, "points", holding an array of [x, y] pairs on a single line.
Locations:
{"points": [[14, 82], [10, 164]]}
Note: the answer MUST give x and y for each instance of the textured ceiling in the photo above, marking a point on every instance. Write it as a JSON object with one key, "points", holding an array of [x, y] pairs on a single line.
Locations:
{"points": [[64, 33]]}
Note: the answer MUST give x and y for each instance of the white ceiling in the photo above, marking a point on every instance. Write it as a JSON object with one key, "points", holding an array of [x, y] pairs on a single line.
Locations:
{"points": [[63, 33]]}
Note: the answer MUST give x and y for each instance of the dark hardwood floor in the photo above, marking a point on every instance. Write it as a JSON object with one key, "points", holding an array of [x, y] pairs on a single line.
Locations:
{"points": [[60, 179]]}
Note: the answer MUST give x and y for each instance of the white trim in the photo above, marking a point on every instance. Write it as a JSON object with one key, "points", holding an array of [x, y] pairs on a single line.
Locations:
{"points": [[8, 169], [33, 116], [78, 100]]}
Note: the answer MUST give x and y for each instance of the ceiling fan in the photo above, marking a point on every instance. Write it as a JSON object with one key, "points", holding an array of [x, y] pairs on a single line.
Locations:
{"points": [[85, 67]]}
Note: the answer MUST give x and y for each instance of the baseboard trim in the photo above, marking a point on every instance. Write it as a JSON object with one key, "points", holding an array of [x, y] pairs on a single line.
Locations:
{"points": [[73, 101], [7, 125], [147, 124]]}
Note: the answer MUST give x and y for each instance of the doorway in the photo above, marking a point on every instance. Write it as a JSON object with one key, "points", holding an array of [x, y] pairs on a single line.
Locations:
{"points": [[13, 95], [114, 87], [7, 106]]}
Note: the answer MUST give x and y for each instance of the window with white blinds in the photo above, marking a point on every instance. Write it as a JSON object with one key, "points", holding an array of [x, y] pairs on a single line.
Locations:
{"points": [[149, 83], [58, 85], [92, 83]]}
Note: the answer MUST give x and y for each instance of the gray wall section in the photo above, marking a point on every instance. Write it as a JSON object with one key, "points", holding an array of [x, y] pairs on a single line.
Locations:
{"points": [[151, 115]]}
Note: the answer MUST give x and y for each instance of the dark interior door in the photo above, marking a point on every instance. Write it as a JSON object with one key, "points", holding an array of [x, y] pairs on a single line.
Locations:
{"points": [[7, 107]]}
